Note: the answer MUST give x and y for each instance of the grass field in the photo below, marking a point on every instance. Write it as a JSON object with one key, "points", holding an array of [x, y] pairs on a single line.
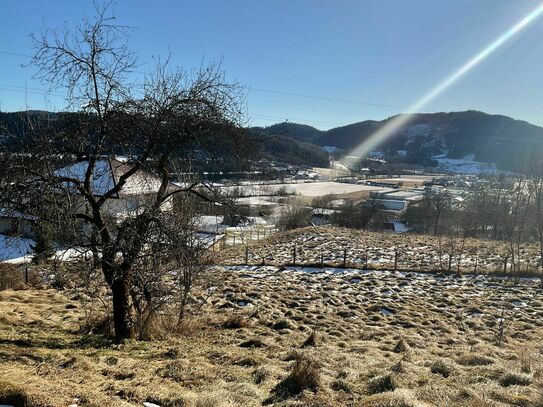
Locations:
{"points": [[414, 252], [289, 337]]}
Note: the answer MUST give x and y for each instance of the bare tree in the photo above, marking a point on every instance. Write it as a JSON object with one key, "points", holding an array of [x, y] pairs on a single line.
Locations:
{"points": [[535, 174], [172, 113]]}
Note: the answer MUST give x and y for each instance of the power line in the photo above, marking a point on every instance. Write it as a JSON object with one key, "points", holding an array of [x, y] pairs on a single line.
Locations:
{"points": [[32, 90], [277, 92], [330, 99], [15, 54]]}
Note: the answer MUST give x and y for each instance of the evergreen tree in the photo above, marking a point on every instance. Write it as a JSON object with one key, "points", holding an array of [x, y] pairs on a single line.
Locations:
{"points": [[43, 248]]}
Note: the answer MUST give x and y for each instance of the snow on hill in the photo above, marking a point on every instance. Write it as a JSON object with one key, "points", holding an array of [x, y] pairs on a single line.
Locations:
{"points": [[465, 165]]}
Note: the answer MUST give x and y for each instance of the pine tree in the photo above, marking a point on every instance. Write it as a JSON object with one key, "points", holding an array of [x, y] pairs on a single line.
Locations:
{"points": [[43, 248]]}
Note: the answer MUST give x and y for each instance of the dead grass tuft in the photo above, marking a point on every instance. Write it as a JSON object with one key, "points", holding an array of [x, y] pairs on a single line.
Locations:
{"points": [[398, 398], [441, 367], [13, 395], [475, 360], [311, 340], [305, 375], [381, 384], [401, 347], [236, 321], [515, 379]]}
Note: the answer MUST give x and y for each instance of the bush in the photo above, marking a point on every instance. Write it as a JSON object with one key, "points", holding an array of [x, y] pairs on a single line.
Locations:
{"points": [[294, 217], [44, 246], [10, 277]]}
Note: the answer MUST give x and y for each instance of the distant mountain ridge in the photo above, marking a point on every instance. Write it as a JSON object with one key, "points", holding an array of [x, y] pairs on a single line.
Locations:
{"points": [[489, 138], [19, 128]]}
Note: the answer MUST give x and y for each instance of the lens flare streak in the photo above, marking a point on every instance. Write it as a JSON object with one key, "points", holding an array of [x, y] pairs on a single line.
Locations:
{"points": [[395, 124]]}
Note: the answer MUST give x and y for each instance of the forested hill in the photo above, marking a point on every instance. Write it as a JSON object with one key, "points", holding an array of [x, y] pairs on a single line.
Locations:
{"points": [[491, 138], [16, 128]]}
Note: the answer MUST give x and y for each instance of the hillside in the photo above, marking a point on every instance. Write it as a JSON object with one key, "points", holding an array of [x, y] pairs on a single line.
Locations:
{"points": [[285, 336], [490, 138], [292, 144]]}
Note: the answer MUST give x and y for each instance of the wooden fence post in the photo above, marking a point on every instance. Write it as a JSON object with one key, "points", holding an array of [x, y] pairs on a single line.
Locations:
{"points": [[247, 255], [344, 257], [322, 259], [366, 258], [294, 256], [395, 259]]}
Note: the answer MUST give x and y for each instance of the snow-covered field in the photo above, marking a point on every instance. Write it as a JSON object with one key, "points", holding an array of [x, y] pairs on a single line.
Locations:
{"points": [[18, 250], [466, 165], [14, 249], [311, 189]]}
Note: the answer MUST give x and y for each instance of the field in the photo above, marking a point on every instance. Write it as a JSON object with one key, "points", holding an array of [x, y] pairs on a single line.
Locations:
{"points": [[358, 338], [306, 189], [383, 251], [293, 336]]}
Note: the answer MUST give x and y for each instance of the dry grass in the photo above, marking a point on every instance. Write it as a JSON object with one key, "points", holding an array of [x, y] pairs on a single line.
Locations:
{"points": [[289, 338], [415, 252]]}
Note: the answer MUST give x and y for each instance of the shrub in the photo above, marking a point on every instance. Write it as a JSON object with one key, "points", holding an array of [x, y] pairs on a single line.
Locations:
{"points": [[44, 246], [10, 277]]}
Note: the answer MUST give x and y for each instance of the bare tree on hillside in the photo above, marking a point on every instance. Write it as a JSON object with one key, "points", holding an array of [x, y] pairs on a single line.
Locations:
{"points": [[172, 112]]}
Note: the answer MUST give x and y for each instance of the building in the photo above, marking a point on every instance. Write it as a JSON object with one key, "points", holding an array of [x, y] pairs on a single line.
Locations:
{"points": [[397, 200], [129, 201]]}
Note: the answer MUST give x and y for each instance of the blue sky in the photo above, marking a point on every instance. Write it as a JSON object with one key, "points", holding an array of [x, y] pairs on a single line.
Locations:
{"points": [[387, 53]]}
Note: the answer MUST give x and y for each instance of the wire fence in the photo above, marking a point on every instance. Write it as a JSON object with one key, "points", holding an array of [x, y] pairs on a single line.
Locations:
{"points": [[399, 259]]}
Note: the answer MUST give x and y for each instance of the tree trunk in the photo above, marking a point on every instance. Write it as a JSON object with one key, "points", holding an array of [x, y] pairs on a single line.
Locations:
{"points": [[123, 313]]}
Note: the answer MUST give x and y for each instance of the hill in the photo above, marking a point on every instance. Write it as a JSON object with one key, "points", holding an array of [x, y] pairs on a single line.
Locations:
{"points": [[489, 138], [284, 336], [288, 143]]}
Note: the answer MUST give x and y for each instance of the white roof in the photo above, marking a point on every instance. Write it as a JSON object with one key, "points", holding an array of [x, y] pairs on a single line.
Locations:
{"points": [[106, 175]]}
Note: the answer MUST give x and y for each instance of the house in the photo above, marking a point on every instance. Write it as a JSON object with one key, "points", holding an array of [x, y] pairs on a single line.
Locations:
{"points": [[395, 200], [13, 223], [214, 231], [322, 217], [130, 200]]}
